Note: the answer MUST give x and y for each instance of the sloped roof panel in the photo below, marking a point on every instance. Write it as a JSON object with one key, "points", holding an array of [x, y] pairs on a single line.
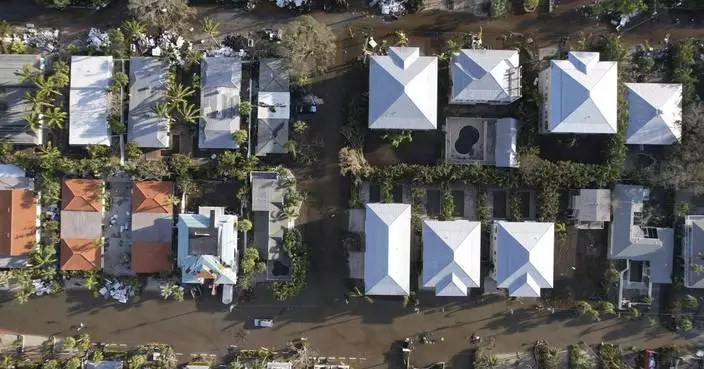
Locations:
{"points": [[221, 78], [582, 95], [654, 113], [524, 257], [451, 249], [483, 75], [505, 153], [147, 88], [387, 230], [403, 90]]}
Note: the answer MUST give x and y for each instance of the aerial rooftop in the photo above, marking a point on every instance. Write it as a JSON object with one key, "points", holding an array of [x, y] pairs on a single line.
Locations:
{"points": [[451, 256], [403, 90], [524, 257], [632, 239], [14, 107], [274, 108], [485, 76], [147, 88], [221, 78], [654, 113], [387, 229], [580, 95], [88, 99]]}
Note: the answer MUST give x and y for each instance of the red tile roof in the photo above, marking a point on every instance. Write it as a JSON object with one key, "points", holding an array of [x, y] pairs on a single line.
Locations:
{"points": [[152, 197], [80, 255], [151, 257], [18, 222], [81, 195]]}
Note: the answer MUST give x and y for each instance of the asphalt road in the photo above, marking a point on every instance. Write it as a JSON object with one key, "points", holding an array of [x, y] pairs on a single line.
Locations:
{"points": [[360, 329]]}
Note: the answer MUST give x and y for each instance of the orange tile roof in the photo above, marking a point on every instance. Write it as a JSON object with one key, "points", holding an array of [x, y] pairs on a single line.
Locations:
{"points": [[81, 195], [80, 255], [151, 257], [18, 222], [152, 197]]}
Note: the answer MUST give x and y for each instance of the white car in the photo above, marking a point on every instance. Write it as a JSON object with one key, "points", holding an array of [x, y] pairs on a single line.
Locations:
{"points": [[264, 323]]}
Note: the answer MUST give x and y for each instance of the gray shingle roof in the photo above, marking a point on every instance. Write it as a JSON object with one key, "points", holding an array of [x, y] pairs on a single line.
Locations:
{"points": [[273, 76], [147, 88], [81, 225], [219, 99], [13, 109], [11, 64]]}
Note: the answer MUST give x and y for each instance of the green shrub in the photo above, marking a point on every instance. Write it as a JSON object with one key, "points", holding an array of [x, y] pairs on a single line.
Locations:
{"points": [[498, 8], [531, 5]]}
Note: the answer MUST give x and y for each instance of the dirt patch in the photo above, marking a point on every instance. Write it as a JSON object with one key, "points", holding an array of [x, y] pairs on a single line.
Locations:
{"points": [[215, 194], [580, 262]]}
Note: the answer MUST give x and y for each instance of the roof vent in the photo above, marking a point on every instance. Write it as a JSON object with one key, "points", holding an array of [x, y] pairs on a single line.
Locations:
{"points": [[403, 57], [583, 61]]}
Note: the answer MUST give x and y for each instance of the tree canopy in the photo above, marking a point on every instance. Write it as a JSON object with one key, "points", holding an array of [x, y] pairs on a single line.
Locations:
{"points": [[309, 46], [164, 14]]}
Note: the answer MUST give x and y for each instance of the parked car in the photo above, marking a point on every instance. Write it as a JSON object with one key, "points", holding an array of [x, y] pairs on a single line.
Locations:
{"points": [[263, 323]]}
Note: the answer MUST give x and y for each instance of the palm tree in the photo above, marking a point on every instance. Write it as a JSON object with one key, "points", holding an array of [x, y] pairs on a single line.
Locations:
{"points": [[162, 111], [55, 117], [210, 27], [133, 28], [45, 88], [28, 73], [49, 152], [190, 113], [178, 94], [35, 101], [42, 256], [402, 39], [290, 147], [91, 282], [33, 120]]}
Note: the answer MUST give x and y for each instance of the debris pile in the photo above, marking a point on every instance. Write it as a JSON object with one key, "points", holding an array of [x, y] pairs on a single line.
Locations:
{"points": [[41, 287], [43, 39], [395, 8], [168, 44], [292, 4], [117, 291]]}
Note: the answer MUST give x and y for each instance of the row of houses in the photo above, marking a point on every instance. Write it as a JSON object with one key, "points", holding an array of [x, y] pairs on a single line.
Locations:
{"points": [[522, 253], [580, 94], [202, 245], [89, 102]]}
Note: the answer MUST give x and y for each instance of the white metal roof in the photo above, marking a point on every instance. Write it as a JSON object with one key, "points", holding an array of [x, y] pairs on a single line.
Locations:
{"points": [[654, 113], [582, 95], [387, 258], [480, 75], [451, 256], [219, 100], [403, 89], [274, 105], [88, 100], [505, 154], [524, 257]]}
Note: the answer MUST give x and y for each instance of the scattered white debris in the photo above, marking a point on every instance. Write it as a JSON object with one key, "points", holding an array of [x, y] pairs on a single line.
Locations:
{"points": [[41, 287], [291, 4], [44, 39], [117, 291], [390, 7], [97, 39]]}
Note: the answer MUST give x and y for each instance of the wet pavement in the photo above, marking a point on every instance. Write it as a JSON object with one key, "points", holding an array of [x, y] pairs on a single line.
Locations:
{"points": [[360, 329]]}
